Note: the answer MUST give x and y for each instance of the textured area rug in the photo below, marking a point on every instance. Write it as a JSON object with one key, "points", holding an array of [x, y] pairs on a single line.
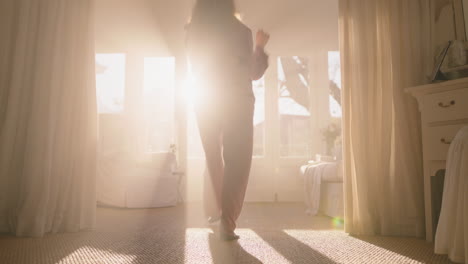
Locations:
{"points": [[269, 233]]}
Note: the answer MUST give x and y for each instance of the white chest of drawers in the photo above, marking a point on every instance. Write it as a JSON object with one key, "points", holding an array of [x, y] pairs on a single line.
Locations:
{"points": [[444, 110]]}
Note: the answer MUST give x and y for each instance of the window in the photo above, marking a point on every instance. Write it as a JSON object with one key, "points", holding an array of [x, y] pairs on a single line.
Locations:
{"points": [[158, 103], [259, 117], [110, 83], [334, 75], [293, 106]]}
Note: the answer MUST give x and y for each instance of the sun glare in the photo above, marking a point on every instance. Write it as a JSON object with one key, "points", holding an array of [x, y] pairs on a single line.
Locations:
{"points": [[110, 82], [159, 74], [192, 93], [189, 93]]}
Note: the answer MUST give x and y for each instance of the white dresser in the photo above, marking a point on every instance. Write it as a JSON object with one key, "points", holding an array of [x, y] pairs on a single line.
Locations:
{"points": [[444, 110]]}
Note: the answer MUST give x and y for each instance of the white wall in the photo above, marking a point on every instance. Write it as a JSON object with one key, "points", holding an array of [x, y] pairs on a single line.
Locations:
{"points": [[128, 26]]}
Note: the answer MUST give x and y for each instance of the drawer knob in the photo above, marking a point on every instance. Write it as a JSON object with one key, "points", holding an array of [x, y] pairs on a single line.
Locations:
{"points": [[443, 140], [447, 105]]}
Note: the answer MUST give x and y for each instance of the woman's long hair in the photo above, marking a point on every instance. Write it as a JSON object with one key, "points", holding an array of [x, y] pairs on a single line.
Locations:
{"points": [[212, 12], [208, 31]]}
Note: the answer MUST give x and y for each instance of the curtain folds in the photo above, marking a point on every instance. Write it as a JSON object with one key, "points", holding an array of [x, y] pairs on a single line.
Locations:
{"points": [[48, 117], [385, 48]]}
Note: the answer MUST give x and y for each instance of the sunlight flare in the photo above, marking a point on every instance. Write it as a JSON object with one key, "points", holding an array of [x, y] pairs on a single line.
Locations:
{"points": [[192, 94]]}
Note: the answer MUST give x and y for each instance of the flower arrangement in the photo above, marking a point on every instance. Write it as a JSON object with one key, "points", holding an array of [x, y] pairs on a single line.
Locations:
{"points": [[330, 134]]}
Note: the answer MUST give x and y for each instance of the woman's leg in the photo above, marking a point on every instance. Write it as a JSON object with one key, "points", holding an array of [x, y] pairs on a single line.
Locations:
{"points": [[237, 152], [211, 136]]}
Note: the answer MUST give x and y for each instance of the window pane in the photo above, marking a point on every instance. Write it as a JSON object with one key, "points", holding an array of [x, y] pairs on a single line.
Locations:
{"points": [[293, 105], [110, 82], [158, 98], [259, 117], [334, 75]]}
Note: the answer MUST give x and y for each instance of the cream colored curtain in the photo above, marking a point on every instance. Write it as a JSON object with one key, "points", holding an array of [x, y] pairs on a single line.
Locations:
{"points": [[385, 48], [48, 116]]}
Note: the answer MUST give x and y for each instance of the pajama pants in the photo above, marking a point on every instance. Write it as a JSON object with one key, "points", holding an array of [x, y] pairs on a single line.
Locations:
{"points": [[226, 130]]}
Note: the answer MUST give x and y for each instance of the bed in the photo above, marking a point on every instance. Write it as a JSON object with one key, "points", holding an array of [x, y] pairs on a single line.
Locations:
{"points": [[323, 188], [147, 182]]}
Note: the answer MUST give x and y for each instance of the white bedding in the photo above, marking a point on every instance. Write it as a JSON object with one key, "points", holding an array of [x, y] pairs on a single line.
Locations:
{"points": [[127, 182], [331, 199], [314, 175], [452, 231]]}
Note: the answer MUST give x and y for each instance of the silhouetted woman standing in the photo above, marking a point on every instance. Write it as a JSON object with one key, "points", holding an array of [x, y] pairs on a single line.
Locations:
{"points": [[224, 62]]}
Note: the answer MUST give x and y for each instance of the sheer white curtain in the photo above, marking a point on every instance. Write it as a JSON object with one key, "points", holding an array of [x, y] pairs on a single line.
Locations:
{"points": [[385, 48], [48, 116]]}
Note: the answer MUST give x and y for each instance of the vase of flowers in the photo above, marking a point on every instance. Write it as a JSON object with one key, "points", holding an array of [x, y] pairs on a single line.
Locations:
{"points": [[330, 134]]}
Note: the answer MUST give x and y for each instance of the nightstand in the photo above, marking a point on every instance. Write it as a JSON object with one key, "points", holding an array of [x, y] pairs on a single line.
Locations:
{"points": [[444, 111]]}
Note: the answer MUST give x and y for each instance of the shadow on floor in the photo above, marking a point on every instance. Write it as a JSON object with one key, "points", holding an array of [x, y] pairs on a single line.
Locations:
{"points": [[121, 236], [223, 252], [270, 233], [292, 249], [412, 248]]}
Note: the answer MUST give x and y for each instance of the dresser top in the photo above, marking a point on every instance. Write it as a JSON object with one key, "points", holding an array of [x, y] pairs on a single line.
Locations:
{"points": [[438, 87]]}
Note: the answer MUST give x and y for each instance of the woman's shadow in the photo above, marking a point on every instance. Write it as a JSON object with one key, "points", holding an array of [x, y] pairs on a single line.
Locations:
{"points": [[228, 252]]}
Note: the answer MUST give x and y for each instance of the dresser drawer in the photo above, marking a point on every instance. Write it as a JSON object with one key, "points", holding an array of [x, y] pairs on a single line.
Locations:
{"points": [[437, 141], [450, 105]]}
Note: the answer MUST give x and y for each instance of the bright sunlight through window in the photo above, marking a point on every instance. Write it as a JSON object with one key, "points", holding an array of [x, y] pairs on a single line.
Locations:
{"points": [[110, 83], [158, 98], [334, 75]]}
